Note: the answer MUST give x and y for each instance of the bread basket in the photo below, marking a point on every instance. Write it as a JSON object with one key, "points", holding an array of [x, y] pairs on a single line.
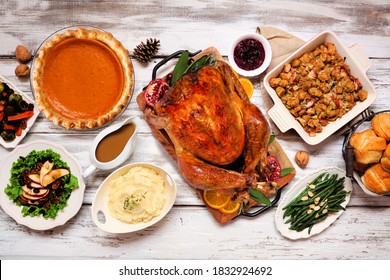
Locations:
{"points": [[347, 149]]}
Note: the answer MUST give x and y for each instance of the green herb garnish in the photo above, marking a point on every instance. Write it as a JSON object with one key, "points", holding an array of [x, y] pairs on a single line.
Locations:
{"points": [[132, 201], [183, 67], [259, 197], [201, 62], [180, 67], [271, 138], [286, 171]]}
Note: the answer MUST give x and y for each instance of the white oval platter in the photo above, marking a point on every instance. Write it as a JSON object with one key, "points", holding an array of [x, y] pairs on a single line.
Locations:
{"points": [[295, 190]]}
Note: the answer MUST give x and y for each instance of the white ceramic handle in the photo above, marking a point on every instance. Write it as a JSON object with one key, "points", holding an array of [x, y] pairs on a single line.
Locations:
{"points": [[361, 57], [89, 171], [98, 216], [279, 117]]}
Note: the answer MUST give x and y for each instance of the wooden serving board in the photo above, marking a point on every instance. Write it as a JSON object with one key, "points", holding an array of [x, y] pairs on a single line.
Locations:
{"points": [[274, 148]]}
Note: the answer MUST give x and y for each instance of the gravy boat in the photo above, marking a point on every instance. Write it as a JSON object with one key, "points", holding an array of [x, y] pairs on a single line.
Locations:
{"points": [[122, 157]]}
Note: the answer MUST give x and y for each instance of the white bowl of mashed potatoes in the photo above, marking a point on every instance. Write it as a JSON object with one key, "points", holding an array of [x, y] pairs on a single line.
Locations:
{"points": [[133, 197]]}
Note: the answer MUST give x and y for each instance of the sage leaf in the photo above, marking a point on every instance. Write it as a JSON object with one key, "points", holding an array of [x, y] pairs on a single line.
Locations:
{"points": [[259, 197], [180, 67], [286, 171], [199, 63], [271, 139]]}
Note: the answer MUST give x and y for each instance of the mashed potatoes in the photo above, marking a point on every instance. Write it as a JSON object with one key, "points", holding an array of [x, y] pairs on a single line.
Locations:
{"points": [[137, 196]]}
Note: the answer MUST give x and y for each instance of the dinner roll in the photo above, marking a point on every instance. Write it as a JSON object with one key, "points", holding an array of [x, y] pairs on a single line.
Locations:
{"points": [[381, 125], [368, 147], [360, 167], [385, 160], [376, 179]]}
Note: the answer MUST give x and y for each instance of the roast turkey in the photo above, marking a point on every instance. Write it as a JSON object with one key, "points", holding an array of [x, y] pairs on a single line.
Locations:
{"points": [[209, 126]]}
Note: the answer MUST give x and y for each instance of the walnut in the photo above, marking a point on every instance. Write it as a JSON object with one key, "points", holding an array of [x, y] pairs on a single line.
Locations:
{"points": [[22, 70], [22, 54], [302, 158]]}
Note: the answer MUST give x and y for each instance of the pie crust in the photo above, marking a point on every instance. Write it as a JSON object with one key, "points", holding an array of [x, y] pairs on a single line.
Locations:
{"points": [[82, 78]]}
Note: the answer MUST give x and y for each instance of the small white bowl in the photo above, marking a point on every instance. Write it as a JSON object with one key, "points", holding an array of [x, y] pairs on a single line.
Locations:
{"points": [[100, 211], [263, 66]]}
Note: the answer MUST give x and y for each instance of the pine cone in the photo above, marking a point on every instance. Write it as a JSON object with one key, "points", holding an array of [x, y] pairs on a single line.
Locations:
{"points": [[144, 52]]}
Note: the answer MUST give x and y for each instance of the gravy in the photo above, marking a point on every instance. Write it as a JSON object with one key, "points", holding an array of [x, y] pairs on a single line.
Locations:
{"points": [[112, 144]]}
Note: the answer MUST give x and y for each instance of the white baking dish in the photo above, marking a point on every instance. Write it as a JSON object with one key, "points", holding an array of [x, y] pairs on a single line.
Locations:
{"points": [[358, 62]]}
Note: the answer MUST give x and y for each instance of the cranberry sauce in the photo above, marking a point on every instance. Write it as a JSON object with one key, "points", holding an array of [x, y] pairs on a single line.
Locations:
{"points": [[249, 54]]}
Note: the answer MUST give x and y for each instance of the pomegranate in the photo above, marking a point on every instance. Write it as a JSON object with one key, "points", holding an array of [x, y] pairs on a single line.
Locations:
{"points": [[275, 169], [155, 89]]}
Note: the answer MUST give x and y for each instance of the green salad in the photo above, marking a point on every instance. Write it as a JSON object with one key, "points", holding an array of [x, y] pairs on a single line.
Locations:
{"points": [[41, 183]]}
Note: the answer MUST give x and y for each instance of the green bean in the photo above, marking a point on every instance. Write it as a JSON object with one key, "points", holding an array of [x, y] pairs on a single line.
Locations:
{"points": [[313, 205]]}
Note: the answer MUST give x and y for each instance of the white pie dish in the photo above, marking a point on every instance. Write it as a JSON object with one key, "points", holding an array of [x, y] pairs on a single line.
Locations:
{"points": [[358, 62], [283, 228], [39, 223], [100, 209]]}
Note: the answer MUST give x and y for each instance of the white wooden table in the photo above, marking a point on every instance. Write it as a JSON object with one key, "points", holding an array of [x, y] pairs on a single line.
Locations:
{"points": [[189, 231]]}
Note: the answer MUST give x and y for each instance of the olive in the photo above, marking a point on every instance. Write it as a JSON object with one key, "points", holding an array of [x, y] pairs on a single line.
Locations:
{"points": [[6, 88], [8, 135], [23, 106], [15, 99], [9, 111]]}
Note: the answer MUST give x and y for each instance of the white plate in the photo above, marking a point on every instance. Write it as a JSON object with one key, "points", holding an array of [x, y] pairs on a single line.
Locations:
{"points": [[30, 122], [358, 62], [100, 211], [295, 190], [39, 223]]}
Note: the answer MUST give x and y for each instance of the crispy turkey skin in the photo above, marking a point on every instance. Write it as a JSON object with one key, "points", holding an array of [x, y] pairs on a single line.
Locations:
{"points": [[207, 123]]}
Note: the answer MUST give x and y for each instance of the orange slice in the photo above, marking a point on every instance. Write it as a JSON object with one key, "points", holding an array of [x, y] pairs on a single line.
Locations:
{"points": [[247, 85], [231, 208], [214, 199]]}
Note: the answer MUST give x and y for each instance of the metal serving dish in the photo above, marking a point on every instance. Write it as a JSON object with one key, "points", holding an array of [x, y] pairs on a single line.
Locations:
{"points": [[358, 62]]}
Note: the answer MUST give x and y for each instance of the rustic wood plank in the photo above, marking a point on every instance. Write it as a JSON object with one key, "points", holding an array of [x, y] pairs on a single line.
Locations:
{"points": [[196, 25], [191, 233]]}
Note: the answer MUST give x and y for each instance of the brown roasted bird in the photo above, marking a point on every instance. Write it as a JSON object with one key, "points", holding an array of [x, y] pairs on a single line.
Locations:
{"points": [[208, 125]]}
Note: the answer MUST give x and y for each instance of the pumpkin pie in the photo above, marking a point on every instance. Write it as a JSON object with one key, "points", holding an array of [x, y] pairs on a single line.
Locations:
{"points": [[82, 78]]}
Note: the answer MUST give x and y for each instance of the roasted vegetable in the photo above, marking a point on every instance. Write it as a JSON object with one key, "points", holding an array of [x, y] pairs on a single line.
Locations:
{"points": [[14, 113]]}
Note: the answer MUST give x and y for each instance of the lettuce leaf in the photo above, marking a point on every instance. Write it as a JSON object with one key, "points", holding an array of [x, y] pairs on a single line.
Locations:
{"points": [[14, 187]]}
